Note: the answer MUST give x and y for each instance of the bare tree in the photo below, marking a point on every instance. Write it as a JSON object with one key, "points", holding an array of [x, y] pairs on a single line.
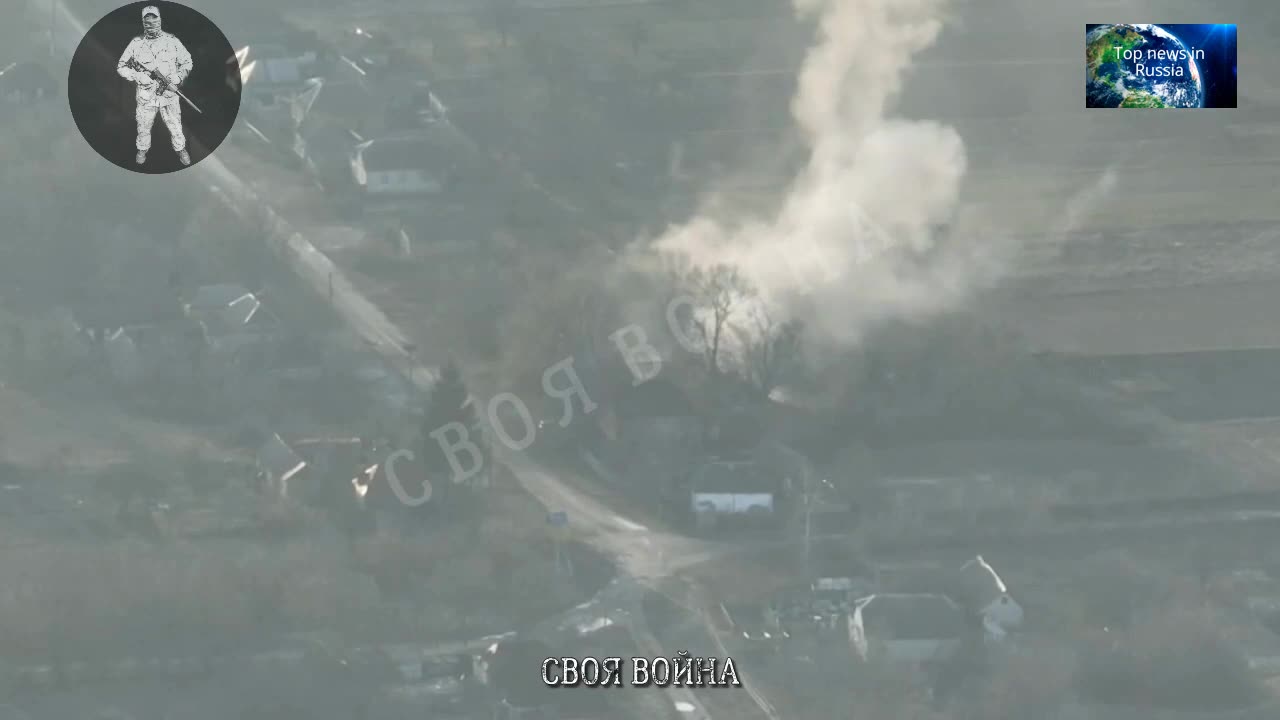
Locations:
{"points": [[718, 292], [771, 348]]}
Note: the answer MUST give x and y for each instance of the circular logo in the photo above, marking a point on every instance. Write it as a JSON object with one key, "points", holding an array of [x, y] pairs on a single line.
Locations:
{"points": [[154, 87]]}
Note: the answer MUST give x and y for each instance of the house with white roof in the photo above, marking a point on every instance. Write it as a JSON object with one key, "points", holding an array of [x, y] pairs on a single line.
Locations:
{"points": [[979, 589], [915, 629]]}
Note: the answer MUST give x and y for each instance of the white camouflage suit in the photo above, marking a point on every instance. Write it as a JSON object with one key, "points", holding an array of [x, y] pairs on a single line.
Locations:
{"points": [[166, 54]]}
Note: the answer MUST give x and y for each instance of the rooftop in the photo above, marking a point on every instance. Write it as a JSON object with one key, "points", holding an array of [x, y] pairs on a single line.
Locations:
{"points": [[228, 308], [911, 616], [276, 457], [720, 476], [335, 454], [978, 584], [410, 152]]}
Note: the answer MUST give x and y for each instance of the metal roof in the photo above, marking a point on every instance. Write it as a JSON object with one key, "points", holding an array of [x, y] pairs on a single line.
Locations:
{"points": [[910, 617], [733, 477], [978, 584], [277, 458], [411, 152]]}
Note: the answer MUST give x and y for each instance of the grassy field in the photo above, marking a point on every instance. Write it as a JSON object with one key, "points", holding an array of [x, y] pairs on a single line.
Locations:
{"points": [[1026, 200], [81, 585]]}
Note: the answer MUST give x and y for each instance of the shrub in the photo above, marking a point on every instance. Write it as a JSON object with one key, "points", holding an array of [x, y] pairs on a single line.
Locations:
{"points": [[1177, 658], [1115, 589], [80, 601], [458, 569], [882, 691], [1027, 686]]}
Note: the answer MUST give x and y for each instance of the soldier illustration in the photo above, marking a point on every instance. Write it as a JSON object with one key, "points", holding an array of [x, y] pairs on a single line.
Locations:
{"points": [[158, 63]]}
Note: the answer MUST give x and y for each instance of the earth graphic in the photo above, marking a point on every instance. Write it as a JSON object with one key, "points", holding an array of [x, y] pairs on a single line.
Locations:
{"points": [[1145, 79]]}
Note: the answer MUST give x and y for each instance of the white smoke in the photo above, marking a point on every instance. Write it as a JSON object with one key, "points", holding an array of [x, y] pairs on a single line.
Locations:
{"points": [[856, 237], [1083, 204]]}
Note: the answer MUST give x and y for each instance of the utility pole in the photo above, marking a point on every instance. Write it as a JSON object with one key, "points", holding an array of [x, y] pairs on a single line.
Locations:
{"points": [[808, 519], [806, 490]]}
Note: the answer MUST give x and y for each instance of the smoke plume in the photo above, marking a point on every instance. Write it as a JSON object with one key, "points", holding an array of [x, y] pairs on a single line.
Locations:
{"points": [[859, 235]]}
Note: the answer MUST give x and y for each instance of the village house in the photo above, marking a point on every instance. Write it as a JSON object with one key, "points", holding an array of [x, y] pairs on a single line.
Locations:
{"points": [[232, 320], [274, 60], [911, 629], [417, 107], [981, 591], [229, 310], [277, 465], [326, 119], [970, 607], [335, 468], [733, 491], [349, 476], [391, 170], [375, 53]]}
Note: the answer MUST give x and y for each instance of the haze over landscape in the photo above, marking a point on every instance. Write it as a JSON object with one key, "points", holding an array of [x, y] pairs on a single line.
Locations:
{"points": [[835, 337]]}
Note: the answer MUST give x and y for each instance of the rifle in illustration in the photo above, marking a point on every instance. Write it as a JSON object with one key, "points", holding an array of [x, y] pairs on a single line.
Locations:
{"points": [[133, 64]]}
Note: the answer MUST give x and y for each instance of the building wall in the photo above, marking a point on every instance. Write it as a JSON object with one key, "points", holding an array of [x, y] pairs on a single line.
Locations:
{"points": [[874, 646], [733, 504], [1005, 612]]}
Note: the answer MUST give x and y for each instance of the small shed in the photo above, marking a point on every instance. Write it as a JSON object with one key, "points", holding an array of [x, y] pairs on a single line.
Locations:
{"points": [[980, 590], [728, 487]]}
